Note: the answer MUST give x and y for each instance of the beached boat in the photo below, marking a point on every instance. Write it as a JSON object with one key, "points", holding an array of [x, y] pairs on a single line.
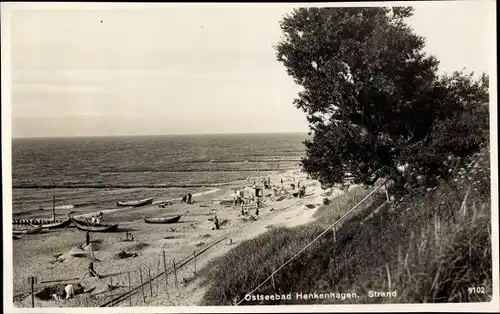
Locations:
{"points": [[146, 201], [95, 227], [55, 225], [31, 230], [162, 220], [92, 227]]}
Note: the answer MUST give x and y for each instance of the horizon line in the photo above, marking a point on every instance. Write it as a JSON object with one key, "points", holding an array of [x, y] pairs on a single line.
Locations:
{"points": [[168, 134]]}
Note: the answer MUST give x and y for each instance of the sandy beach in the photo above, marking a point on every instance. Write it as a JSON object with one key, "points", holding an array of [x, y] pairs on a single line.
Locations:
{"points": [[47, 255]]}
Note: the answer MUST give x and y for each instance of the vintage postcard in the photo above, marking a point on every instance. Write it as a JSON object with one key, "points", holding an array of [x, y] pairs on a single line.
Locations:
{"points": [[246, 157]]}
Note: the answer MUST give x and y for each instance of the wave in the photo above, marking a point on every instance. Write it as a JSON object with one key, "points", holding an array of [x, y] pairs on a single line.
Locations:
{"points": [[71, 206]]}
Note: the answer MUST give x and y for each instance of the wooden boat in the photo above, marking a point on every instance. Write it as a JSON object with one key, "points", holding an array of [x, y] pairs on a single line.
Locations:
{"points": [[146, 201], [162, 220], [32, 230], [55, 225], [93, 227]]}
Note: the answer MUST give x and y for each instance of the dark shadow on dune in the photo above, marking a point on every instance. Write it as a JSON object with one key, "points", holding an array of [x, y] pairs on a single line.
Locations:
{"points": [[125, 229], [172, 237], [185, 221]]}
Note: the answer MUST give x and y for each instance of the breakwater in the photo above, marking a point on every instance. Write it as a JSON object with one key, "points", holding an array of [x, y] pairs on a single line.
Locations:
{"points": [[139, 170]]}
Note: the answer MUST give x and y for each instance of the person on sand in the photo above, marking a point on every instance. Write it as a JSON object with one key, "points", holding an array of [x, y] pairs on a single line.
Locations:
{"points": [[70, 291], [302, 192], [281, 181], [189, 198], [216, 221], [184, 198], [92, 272], [87, 238]]}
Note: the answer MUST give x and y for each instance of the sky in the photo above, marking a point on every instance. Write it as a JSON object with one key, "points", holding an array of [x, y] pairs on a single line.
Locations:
{"points": [[186, 70]]}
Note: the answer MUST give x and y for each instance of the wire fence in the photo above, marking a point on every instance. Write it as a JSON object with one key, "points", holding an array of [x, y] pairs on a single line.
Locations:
{"points": [[132, 286], [140, 285], [332, 226]]}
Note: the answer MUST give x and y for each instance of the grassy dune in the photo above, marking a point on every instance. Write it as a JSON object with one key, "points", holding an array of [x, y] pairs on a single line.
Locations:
{"points": [[429, 247]]}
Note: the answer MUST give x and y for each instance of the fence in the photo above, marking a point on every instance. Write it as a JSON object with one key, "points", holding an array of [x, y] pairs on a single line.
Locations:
{"points": [[148, 283], [331, 227], [141, 284]]}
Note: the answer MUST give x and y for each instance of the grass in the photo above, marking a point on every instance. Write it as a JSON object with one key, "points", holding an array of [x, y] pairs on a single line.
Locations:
{"points": [[429, 247]]}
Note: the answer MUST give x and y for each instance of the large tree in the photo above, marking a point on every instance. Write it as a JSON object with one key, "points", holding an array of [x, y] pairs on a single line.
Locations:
{"points": [[373, 99]]}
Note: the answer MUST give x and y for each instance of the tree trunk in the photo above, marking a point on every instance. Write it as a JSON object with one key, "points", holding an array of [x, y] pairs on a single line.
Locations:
{"points": [[398, 187]]}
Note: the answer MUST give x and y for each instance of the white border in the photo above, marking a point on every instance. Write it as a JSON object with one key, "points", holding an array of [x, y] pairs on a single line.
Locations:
{"points": [[6, 9]]}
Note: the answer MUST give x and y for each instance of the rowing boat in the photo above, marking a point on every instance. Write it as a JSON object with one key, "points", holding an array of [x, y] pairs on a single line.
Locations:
{"points": [[146, 201], [55, 225], [31, 230], [93, 227], [162, 220]]}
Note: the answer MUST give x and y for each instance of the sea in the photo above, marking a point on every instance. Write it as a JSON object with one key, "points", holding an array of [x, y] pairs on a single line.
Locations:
{"points": [[81, 174]]}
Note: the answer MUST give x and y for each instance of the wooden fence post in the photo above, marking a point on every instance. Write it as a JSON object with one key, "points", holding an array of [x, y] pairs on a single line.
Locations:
{"points": [[156, 275], [194, 259], [129, 291], [32, 283], [175, 274], [334, 234], [386, 192], [150, 284], [165, 269], [142, 285]]}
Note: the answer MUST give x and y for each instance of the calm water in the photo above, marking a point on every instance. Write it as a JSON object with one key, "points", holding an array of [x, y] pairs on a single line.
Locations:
{"points": [[94, 160]]}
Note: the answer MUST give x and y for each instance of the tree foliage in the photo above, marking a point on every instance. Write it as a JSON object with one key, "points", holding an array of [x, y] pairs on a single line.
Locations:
{"points": [[373, 99]]}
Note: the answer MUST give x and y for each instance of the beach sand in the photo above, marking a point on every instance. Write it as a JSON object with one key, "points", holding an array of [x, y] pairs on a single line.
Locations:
{"points": [[47, 257]]}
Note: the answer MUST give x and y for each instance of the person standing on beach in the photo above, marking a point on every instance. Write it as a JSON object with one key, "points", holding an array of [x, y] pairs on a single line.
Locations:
{"points": [[87, 238], [216, 221], [281, 181], [189, 198], [92, 272]]}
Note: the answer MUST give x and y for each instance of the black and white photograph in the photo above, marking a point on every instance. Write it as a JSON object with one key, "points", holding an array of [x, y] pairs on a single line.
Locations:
{"points": [[241, 157]]}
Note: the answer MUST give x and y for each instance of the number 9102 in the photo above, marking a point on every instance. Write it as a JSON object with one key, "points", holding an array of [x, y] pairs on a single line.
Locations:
{"points": [[476, 290]]}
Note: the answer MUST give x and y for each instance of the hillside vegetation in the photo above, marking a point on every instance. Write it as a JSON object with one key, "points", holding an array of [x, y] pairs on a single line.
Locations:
{"points": [[430, 246]]}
